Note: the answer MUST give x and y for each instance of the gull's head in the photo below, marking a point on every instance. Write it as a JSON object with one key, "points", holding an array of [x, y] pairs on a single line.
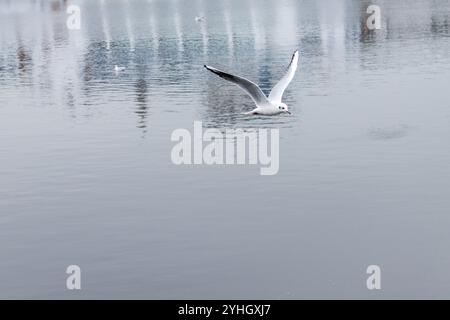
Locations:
{"points": [[284, 108]]}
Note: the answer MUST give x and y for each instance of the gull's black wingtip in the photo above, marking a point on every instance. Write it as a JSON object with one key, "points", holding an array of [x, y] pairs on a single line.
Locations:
{"points": [[293, 55], [210, 68]]}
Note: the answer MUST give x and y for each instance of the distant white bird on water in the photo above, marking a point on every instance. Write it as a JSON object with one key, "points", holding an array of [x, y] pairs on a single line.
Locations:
{"points": [[270, 105], [118, 69]]}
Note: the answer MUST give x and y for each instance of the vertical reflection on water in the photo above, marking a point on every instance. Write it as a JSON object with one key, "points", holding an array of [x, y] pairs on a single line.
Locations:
{"points": [[141, 103], [178, 28], [130, 32], [439, 24], [365, 32], [203, 27], [23, 56], [24, 60], [105, 25], [285, 27], [153, 27], [228, 28], [258, 27], [439, 20]]}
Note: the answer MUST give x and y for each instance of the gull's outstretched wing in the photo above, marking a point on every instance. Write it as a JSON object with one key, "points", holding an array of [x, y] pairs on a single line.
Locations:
{"points": [[249, 87], [278, 90]]}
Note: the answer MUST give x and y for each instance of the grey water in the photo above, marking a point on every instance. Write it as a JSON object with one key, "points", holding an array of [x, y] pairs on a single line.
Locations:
{"points": [[86, 176]]}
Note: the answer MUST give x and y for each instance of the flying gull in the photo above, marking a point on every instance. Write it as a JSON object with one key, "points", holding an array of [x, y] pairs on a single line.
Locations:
{"points": [[270, 105]]}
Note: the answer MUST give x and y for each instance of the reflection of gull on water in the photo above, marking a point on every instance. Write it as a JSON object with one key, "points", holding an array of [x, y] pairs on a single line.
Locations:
{"points": [[264, 105]]}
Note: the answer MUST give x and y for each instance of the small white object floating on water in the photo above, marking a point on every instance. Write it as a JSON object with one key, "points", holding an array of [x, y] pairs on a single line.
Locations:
{"points": [[199, 19], [118, 69]]}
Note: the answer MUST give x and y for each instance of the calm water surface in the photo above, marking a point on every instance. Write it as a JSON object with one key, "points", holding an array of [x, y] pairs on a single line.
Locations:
{"points": [[86, 176]]}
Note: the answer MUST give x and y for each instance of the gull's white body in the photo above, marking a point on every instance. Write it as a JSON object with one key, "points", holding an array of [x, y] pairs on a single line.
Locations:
{"points": [[270, 105], [269, 109]]}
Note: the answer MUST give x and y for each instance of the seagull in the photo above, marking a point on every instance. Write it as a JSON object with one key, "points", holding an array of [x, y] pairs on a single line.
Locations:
{"points": [[270, 105], [118, 69]]}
